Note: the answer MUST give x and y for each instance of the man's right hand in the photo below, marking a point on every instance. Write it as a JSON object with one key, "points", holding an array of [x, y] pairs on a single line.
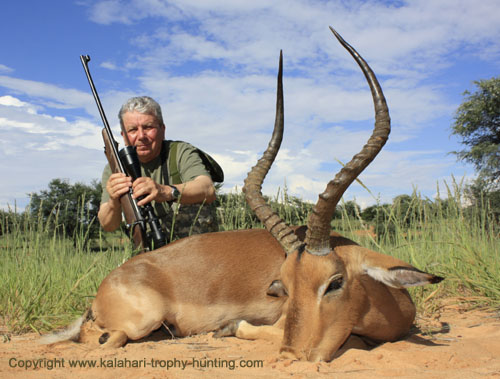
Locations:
{"points": [[118, 184], [110, 212]]}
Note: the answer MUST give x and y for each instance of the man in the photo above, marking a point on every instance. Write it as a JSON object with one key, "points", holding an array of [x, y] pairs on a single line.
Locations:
{"points": [[142, 126]]}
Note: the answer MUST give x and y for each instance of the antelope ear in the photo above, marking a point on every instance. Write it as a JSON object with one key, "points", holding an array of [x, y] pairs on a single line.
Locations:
{"points": [[277, 289], [401, 276]]}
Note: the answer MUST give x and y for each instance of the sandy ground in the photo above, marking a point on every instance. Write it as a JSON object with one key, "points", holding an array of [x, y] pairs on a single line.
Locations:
{"points": [[453, 344]]}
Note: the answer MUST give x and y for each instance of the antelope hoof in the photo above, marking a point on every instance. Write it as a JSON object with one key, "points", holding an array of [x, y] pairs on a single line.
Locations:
{"points": [[103, 338], [228, 330], [113, 339]]}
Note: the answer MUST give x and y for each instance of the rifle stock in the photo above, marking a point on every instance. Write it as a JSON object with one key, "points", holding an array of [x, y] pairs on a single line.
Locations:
{"points": [[128, 204]]}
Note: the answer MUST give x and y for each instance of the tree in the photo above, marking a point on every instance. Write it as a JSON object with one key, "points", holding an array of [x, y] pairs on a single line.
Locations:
{"points": [[70, 210], [9, 221], [482, 196], [350, 208], [477, 122]]}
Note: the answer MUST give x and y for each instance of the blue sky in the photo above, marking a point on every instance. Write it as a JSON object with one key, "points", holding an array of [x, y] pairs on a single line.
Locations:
{"points": [[212, 66]]}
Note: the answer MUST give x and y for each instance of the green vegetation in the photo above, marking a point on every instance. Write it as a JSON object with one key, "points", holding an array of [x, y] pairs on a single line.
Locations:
{"points": [[477, 123], [49, 278], [442, 237], [69, 209]]}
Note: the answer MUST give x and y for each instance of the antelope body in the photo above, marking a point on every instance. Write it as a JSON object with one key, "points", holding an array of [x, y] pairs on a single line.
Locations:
{"points": [[307, 286]]}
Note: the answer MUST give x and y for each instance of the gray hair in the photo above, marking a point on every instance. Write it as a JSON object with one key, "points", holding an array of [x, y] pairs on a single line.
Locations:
{"points": [[141, 104]]}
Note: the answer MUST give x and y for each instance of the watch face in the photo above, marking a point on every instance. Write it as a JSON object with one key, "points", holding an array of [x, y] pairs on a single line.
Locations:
{"points": [[175, 193]]}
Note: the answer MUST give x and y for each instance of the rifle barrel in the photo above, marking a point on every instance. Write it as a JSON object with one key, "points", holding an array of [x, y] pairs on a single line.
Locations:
{"points": [[85, 59]]}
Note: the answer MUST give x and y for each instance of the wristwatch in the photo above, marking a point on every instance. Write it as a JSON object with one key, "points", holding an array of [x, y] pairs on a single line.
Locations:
{"points": [[175, 193]]}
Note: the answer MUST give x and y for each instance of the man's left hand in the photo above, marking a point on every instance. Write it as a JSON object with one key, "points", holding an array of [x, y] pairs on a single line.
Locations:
{"points": [[147, 187]]}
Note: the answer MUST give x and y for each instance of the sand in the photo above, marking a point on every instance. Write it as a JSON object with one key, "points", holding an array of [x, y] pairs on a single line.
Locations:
{"points": [[451, 344]]}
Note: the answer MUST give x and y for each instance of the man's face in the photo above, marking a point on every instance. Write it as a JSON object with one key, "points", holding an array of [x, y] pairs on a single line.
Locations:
{"points": [[145, 133]]}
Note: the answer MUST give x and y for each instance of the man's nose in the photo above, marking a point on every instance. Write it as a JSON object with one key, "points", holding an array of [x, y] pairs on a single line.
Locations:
{"points": [[140, 132]]}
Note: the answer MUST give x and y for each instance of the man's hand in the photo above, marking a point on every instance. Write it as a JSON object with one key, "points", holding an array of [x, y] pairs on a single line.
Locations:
{"points": [[118, 184], [147, 187]]}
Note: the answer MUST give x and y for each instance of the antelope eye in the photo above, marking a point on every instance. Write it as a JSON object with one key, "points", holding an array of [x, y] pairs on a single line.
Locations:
{"points": [[334, 285]]}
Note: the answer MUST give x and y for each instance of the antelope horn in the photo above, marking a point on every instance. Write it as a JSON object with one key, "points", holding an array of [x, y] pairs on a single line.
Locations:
{"points": [[318, 226], [253, 183]]}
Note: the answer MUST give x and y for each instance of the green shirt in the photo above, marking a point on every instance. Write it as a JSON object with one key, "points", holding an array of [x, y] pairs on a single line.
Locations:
{"points": [[190, 166]]}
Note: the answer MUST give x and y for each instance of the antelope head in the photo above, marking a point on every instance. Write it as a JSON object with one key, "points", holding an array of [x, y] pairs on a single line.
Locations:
{"points": [[334, 286]]}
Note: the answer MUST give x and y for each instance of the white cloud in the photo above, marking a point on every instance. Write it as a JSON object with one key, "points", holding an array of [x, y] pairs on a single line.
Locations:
{"points": [[212, 65], [128, 12], [5, 69], [415, 36], [6, 124], [10, 101], [48, 94], [109, 65]]}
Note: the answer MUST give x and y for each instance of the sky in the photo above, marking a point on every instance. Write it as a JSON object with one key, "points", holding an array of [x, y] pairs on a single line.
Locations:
{"points": [[212, 66]]}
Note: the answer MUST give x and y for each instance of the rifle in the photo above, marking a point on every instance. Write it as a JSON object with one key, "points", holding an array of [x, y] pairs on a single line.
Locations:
{"points": [[126, 161]]}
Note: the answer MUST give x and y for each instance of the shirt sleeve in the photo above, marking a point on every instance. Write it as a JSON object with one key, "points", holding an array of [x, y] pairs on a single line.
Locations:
{"points": [[189, 163]]}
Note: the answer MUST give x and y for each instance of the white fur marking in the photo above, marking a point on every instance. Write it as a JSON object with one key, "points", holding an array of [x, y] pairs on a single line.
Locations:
{"points": [[69, 333], [399, 278]]}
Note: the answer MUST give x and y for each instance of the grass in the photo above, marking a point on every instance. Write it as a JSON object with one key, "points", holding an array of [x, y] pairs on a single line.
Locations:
{"points": [[443, 238], [48, 280]]}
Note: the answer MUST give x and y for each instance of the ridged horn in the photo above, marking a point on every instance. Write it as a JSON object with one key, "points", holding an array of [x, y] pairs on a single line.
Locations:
{"points": [[253, 183], [318, 226]]}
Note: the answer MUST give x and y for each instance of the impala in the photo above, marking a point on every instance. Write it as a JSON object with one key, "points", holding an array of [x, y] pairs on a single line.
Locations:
{"points": [[307, 286]]}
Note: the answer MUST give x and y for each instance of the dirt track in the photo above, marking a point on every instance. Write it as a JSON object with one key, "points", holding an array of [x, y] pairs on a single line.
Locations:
{"points": [[454, 345]]}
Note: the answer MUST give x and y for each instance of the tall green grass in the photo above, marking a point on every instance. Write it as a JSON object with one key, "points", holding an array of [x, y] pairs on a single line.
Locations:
{"points": [[234, 212], [442, 237], [48, 279]]}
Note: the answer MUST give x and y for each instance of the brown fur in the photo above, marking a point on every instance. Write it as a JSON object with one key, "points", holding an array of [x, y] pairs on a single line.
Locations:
{"points": [[206, 282]]}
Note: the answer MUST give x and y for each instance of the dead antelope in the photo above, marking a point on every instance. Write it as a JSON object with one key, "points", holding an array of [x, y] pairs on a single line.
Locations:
{"points": [[303, 285]]}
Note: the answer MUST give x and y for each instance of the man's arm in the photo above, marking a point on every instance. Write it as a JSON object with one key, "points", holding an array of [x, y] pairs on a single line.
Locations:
{"points": [[110, 212], [194, 191], [110, 215]]}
